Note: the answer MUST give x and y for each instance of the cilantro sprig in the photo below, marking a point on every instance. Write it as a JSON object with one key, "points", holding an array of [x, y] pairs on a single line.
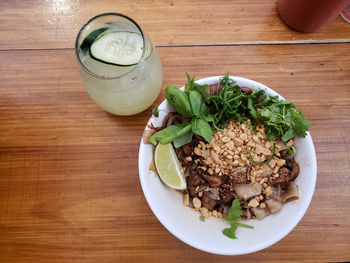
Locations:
{"points": [[281, 119], [233, 215]]}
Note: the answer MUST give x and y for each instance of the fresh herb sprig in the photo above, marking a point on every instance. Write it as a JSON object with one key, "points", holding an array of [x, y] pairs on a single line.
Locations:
{"points": [[191, 104], [281, 119], [230, 102], [209, 112], [233, 215]]}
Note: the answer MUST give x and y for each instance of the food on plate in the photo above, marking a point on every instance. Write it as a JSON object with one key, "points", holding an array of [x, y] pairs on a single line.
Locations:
{"points": [[236, 148]]}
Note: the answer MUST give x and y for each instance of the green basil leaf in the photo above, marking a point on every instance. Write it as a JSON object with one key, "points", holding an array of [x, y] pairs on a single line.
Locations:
{"points": [[179, 101], [202, 89], [184, 139], [208, 118], [191, 85], [190, 82], [196, 101], [170, 133], [202, 128]]}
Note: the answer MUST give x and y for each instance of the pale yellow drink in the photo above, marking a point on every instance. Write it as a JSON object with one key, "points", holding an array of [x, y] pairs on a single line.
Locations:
{"points": [[120, 89]]}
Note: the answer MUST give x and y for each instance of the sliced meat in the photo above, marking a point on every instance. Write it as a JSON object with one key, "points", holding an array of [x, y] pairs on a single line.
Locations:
{"points": [[224, 210], [213, 193], [246, 90], [173, 118], [208, 202], [214, 180], [289, 162], [266, 171], [280, 145], [194, 179], [187, 149], [191, 190], [274, 205], [226, 196], [292, 192], [238, 175], [276, 192], [247, 214], [295, 170], [260, 213], [286, 175], [246, 191]]}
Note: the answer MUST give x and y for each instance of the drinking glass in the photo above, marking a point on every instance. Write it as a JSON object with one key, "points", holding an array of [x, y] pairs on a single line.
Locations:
{"points": [[121, 89]]}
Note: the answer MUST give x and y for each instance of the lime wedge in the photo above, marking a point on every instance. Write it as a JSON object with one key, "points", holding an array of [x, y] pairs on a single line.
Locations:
{"points": [[118, 48], [168, 166]]}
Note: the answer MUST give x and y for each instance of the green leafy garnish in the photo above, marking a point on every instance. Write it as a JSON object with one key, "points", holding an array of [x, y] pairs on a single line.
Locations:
{"points": [[196, 102], [235, 211], [202, 128], [231, 232], [280, 118], [191, 85], [179, 101], [183, 139], [170, 133], [234, 214], [155, 112], [189, 104], [202, 218]]}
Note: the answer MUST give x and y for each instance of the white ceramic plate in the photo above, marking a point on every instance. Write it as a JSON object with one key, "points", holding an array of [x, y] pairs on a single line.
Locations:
{"points": [[184, 223]]}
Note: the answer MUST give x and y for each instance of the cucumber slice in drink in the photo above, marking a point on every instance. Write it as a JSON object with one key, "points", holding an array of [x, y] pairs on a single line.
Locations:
{"points": [[85, 46], [117, 48]]}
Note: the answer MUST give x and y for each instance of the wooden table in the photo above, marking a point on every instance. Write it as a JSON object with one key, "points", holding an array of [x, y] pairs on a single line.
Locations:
{"points": [[69, 186]]}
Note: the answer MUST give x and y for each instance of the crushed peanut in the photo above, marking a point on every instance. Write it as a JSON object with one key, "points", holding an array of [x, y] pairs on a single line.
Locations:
{"points": [[262, 205], [196, 202], [253, 203], [186, 199], [205, 212], [188, 158], [233, 150]]}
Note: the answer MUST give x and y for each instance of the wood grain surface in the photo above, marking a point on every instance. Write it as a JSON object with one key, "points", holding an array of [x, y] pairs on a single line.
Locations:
{"points": [[69, 186], [34, 24]]}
